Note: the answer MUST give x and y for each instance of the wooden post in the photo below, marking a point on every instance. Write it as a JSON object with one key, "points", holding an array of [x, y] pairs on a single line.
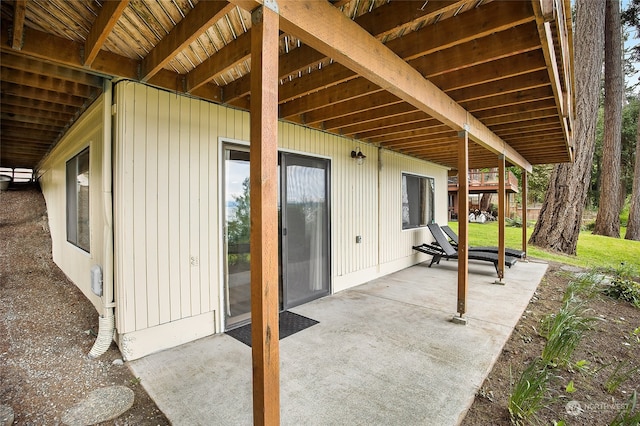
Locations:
{"points": [[524, 212], [264, 217], [463, 218], [501, 215]]}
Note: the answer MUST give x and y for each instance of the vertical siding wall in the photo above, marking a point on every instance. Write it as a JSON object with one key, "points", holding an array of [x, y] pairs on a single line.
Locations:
{"points": [[167, 204], [396, 243], [167, 239], [74, 262]]}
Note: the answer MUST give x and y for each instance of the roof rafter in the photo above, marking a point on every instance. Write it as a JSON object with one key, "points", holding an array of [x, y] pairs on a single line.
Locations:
{"points": [[102, 26], [19, 13], [428, 40], [329, 31], [201, 17]]}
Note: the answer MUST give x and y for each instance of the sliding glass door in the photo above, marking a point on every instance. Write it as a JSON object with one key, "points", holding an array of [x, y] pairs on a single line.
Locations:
{"points": [[305, 229], [303, 209]]}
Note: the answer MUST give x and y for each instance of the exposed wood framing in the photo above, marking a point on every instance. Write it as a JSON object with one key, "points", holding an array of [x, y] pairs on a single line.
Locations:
{"points": [[203, 16], [264, 218], [104, 23], [326, 29], [463, 221], [561, 93], [229, 56], [502, 63], [428, 40], [19, 13]]}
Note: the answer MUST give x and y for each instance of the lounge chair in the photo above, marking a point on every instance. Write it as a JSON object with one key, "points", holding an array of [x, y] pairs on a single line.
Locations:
{"points": [[507, 251], [445, 250]]}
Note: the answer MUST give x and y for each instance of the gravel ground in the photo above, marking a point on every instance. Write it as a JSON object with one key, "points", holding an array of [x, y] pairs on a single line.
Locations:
{"points": [[48, 327]]}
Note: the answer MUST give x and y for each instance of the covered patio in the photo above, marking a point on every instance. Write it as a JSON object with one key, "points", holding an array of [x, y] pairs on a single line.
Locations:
{"points": [[384, 352], [463, 84]]}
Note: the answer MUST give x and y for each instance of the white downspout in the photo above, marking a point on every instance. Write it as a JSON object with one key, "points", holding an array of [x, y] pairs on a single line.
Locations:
{"points": [[106, 322]]}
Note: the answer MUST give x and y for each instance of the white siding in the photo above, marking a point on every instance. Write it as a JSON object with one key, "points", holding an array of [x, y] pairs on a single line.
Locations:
{"points": [[167, 204], [74, 262], [396, 243]]}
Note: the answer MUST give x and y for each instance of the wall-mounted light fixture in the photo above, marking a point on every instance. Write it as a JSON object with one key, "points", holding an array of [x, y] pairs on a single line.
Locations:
{"points": [[358, 156]]}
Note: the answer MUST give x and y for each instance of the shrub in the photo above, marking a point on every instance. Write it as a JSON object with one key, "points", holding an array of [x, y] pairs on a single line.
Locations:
{"points": [[515, 222], [622, 286]]}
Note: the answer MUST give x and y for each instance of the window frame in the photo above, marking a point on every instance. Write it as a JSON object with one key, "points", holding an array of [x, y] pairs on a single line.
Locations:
{"points": [[78, 226], [426, 202]]}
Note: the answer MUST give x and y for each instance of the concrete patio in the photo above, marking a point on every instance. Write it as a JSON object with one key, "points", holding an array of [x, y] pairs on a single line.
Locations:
{"points": [[384, 352]]}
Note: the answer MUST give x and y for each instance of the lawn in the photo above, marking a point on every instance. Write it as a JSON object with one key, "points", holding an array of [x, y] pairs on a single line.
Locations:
{"points": [[592, 251]]}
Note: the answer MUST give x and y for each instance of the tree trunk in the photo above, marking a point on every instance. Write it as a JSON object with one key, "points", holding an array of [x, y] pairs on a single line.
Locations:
{"points": [[608, 219], [633, 226], [558, 225], [485, 202]]}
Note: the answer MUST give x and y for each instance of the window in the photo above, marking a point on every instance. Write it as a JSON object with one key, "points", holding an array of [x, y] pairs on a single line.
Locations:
{"points": [[417, 201], [78, 200]]}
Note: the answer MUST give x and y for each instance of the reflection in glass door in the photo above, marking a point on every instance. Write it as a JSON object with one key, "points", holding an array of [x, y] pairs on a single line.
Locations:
{"points": [[237, 265], [305, 229], [303, 210]]}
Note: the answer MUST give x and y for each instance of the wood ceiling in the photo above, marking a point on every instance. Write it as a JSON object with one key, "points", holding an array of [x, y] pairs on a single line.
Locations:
{"points": [[507, 63]]}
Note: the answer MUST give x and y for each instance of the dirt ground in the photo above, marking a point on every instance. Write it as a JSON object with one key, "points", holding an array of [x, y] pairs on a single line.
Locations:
{"points": [[610, 343], [44, 319]]}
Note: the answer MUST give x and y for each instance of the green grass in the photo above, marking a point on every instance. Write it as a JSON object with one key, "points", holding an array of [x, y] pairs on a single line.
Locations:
{"points": [[593, 251]]}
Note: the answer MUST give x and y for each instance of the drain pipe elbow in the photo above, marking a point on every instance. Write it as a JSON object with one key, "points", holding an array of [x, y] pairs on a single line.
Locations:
{"points": [[103, 285], [106, 328]]}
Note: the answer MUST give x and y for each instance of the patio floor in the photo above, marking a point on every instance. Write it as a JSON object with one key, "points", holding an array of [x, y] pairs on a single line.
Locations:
{"points": [[384, 352]]}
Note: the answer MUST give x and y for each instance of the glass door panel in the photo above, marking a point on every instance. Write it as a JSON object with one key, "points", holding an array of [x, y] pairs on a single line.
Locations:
{"points": [[305, 229], [237, 221]]}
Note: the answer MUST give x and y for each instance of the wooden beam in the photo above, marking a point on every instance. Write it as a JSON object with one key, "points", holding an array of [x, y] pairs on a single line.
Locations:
{"points": [[495, 70], [540, 8], [386, 19], [486, 64], [471, 25], [344, 99], [511, 110], [197, 21], [463, 221], [19, 101], [230, 55], [105, 21], [65, 52], [506, 99], [502, 209], [515, 84], [523, 194], [19, 13], [46, 83], [41, 95], [264, 217], [548, 10], [24, 63]]}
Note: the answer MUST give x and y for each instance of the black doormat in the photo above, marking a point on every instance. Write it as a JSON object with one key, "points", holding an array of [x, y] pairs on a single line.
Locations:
{"points": [[289, 323]]}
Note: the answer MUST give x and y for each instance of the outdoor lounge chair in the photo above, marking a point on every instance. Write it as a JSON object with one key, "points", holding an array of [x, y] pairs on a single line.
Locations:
{"points": [[454, 242], [445, 250]]}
